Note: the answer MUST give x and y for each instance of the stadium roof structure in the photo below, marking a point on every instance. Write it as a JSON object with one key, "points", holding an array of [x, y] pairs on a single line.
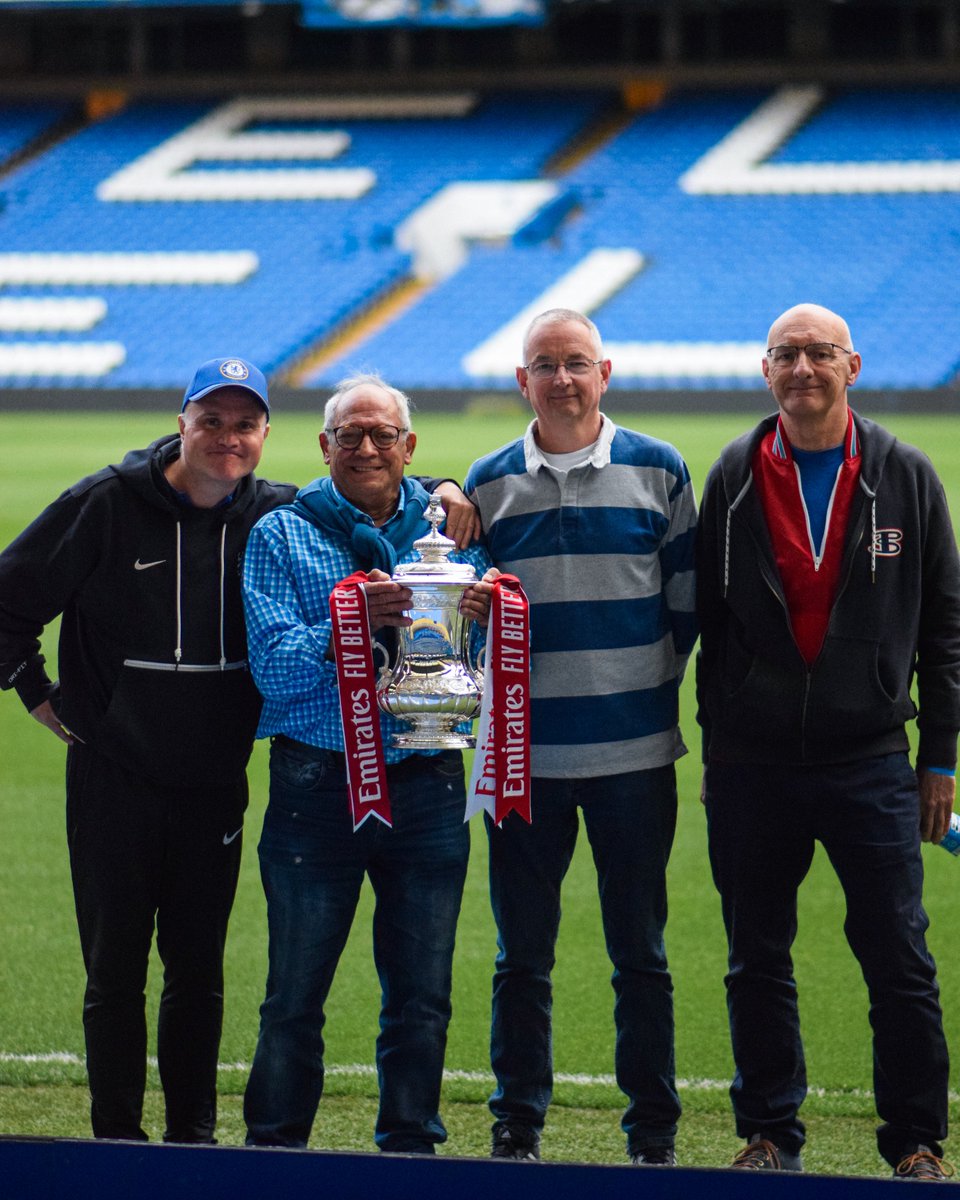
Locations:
{"points": [[146, 46]]}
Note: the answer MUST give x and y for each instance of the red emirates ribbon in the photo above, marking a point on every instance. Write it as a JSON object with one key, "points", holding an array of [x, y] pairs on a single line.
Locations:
{"points": [[500, 782], [359, 714]]}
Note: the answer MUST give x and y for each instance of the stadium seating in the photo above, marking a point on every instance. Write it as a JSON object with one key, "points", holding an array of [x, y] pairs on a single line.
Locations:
{"points": [[172, 232], [21, 123]]}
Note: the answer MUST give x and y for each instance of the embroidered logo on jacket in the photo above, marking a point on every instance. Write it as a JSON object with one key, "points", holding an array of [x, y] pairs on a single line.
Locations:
{"points": [[887, 543]]}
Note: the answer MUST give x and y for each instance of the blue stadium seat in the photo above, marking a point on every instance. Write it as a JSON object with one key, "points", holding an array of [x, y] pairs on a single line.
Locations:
{"points": [[718, 263], [20, 124]]}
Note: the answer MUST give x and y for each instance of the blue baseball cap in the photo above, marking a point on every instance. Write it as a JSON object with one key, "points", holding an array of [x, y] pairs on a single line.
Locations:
{"points": [[227, 372]]}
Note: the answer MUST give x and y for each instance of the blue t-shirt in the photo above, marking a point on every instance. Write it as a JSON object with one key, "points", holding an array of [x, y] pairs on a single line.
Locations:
{"points": [[818, 474]]}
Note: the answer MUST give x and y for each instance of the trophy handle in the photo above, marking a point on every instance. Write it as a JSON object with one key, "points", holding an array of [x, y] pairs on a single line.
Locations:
{"points": [[385, 665], [475, 667]]}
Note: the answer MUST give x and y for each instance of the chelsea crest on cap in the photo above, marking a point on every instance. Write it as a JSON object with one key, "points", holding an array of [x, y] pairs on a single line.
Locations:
{"points": [[218, 373]]}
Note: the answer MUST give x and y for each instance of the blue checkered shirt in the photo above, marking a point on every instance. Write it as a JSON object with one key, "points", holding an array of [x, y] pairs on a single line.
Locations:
{"points": [[290, 568]]}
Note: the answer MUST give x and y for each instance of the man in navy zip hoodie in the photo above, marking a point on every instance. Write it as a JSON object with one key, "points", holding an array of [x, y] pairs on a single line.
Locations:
{"points": [[158, 708], [828, 581]]}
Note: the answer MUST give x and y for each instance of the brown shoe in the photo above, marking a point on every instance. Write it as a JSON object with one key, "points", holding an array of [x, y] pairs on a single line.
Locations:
{"points": [[760, 1154], [923, 1164]]}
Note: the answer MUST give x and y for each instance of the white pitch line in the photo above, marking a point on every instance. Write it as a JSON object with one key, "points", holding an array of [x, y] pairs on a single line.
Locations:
{"points": [[54, 1056], [367, 1070]]}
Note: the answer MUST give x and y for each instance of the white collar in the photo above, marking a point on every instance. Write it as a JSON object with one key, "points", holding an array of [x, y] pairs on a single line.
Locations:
{"points": [[599, 457]]}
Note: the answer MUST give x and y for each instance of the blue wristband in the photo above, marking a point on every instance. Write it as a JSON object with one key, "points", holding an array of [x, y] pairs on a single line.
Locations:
{"points": [[951, 771]]}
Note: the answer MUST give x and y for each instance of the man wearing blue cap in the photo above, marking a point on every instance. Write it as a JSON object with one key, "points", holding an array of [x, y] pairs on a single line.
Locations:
{"points": [[157, 706]]}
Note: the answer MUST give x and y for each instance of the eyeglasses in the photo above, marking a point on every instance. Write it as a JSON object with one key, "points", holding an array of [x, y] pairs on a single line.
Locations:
{"points": [[350, 437], [817, 352], [546, 368]]}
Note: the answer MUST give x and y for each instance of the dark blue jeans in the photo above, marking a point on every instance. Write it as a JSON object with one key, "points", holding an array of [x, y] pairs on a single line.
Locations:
{"points": [[312, 865], [763, 822], [630, 821]]}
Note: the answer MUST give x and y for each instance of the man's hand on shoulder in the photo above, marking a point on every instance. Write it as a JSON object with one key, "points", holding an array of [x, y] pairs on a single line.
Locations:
{"points": [[46, 716], [463, 520], [937, 793]]}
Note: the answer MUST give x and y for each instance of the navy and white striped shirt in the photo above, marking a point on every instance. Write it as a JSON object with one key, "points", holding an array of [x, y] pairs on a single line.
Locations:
{"points": [[605, 555]]}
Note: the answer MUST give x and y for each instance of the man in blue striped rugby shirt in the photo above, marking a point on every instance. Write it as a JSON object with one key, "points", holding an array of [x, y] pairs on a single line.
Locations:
{"points": [[598, 522]]}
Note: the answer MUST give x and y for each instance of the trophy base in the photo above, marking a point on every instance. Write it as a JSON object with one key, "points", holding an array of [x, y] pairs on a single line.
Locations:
{"points": [[431, 717], [433, 739]]}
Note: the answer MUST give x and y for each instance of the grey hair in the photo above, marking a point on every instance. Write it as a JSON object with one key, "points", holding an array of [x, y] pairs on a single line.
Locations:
{"points": [[556, 316], [353, 382]]}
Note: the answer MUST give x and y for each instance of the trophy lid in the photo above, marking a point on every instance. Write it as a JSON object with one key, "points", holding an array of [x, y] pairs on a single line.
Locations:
{"points": [[433, 549]]}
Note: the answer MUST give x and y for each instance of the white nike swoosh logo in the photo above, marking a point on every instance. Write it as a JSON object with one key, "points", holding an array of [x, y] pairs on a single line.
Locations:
{"points": [[139, 566], [229, 837]]}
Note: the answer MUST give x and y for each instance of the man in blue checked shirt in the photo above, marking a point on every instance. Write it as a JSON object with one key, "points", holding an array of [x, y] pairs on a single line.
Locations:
{"points": [[365, 516], [598, 522]]}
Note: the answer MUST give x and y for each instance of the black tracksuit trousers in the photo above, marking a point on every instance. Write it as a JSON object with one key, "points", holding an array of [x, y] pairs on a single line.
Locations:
{"points": [[145, 855]]}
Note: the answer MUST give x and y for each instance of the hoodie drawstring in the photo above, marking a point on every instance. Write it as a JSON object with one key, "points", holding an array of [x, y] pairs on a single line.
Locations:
{"points": [[223, 572], [873, 540], [178, 650]]}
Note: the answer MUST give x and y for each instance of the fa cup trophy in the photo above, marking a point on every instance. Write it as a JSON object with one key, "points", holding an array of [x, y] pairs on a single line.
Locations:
{"points": [[433, 686]]}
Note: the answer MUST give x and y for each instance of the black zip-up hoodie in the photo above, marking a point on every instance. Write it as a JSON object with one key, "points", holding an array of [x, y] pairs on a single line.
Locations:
{"points": [[896, 617], [152, 655]]}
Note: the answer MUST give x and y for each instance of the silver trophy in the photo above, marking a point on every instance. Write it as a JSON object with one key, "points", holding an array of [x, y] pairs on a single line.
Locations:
{"points": [[433, 686]]}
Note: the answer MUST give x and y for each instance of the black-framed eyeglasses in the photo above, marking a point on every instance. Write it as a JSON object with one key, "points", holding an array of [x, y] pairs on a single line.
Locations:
{"points": [[349, 437], [546, 368], [817, 353]]}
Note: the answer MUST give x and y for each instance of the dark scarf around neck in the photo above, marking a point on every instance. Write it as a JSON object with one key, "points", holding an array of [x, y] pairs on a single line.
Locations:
{"points": [[375, 546]]}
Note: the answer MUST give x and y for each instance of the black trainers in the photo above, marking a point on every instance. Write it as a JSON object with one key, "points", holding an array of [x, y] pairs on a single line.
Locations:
{"points": [[654, 1156], [515, 1141], [760, 1154], [923, 1164]]}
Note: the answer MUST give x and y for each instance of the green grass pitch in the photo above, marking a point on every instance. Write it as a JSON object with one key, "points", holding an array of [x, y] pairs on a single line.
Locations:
{"points": [[41, 980]]}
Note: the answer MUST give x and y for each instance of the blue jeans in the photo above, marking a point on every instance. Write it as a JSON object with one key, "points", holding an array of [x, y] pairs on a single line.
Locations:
{"points": [[312, 865], [763, 821], [630, 821]]}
